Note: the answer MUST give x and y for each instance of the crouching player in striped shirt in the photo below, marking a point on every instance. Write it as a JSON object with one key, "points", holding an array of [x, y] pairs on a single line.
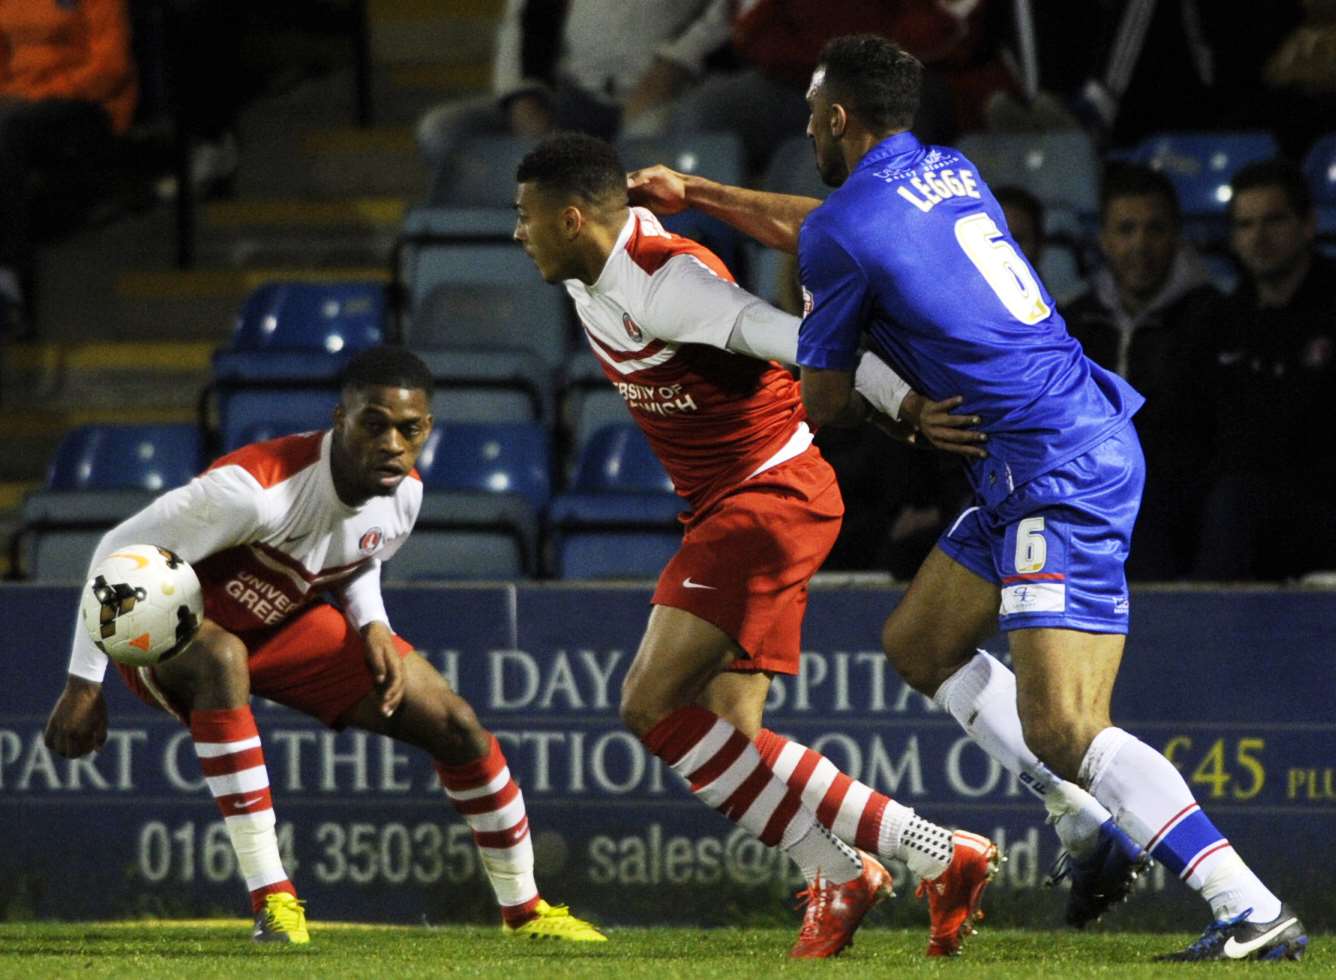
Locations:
{"points": [[693, 355], [297, 517]]}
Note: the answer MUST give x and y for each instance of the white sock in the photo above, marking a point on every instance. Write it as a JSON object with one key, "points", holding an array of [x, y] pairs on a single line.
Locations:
{"points": [[812, 852], [982, 696], [1152, 803], [926, 847]]}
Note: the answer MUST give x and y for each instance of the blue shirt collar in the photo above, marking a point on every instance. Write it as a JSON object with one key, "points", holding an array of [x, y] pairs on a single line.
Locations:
{"points": [[889, 151]]}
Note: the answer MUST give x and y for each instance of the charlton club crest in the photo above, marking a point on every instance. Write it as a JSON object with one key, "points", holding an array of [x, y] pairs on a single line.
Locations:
{"points": [[370, 541], [632, 329]]}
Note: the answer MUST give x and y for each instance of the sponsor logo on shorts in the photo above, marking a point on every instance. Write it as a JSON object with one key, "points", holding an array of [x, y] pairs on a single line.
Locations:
{"points": [[370, 541], [1121, 605], [688, 584], [1034, 597]]}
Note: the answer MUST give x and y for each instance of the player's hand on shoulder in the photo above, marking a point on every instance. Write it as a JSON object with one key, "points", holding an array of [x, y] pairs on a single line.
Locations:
{"points": [[78, 723], [658, 188], [944, 429]]}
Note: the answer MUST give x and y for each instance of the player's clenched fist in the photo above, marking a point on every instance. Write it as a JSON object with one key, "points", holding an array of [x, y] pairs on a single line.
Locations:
{"points": [[78, 722], [658, 188]]}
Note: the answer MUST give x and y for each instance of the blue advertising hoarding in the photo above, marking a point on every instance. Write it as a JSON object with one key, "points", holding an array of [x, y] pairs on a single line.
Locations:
{"points": [[1235, 686]]}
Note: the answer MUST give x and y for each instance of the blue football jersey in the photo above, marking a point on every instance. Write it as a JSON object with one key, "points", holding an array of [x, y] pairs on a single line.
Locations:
{"points": [[912, 257]]}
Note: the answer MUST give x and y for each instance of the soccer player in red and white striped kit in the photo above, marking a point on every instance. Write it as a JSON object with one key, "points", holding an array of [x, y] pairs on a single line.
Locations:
{"points": [[269, 529], [693, 355]]}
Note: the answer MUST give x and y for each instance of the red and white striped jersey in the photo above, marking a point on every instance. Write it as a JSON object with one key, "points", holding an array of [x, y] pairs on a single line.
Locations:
{"points": [[659, 319], [266, 532]]}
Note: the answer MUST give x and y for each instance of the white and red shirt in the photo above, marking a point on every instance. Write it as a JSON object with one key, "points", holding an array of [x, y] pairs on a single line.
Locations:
{"points": [[659, 318], [266, 533]]}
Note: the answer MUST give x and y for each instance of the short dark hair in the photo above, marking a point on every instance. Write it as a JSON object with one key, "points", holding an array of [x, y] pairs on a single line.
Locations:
{"points": [[1276, 172], [386, 367], [578, 164], [1135, 180], [1023, 199], [874, 78]]}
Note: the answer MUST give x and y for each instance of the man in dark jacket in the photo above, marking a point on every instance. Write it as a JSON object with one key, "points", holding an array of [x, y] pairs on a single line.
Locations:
{"points": [[1145, 316], [1271, 513]]}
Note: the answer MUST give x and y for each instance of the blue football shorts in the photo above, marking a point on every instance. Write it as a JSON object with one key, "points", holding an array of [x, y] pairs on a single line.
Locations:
{"points": [[1057, 545]]}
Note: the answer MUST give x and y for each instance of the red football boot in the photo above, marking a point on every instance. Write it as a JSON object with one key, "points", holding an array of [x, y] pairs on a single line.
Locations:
{"points": [[835, 911], [955, 894]]}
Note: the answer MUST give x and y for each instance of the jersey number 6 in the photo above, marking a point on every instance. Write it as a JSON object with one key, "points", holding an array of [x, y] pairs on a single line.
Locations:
{"points": [[1007, 274]]}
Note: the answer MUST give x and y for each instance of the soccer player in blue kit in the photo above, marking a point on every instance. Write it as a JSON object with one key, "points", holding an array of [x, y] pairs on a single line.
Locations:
{"points": [[911, 255]]}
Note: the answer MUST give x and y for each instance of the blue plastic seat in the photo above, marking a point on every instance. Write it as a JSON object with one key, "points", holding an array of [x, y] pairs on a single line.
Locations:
{"points": [[476, 295], [126, 457], [792, 170], [294, 331], [483, 488], [1320, 169], [1060, 167], [620, 518], [1201, 164], [493, 458], [99, 475], [257, 414], [480, 173]]}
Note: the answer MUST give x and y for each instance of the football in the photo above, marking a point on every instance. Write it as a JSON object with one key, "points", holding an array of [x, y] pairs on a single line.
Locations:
{"points": [[143, 605]]}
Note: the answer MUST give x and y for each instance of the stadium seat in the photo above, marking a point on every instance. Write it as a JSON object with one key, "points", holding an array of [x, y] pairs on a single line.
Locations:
{"points": [[1320, 169], [1201, 164], [126, 457], [463, 535], [99, 475], [717, 155], [1059, 167], [290, 341], [792, 170], [471, 295], [587, 402], [296, 331], [1060, 272], [484, 486], [480, 173], [497, 458], [620, 518], [489, 385], [256, 414]]}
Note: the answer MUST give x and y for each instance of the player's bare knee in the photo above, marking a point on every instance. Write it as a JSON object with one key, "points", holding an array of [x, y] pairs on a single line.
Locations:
{"points": [[216, 661], [639, 710], [916, 661]]}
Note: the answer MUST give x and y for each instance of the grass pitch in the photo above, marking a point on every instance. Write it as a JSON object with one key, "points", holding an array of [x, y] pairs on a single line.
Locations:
{"points": [[220, 948]]}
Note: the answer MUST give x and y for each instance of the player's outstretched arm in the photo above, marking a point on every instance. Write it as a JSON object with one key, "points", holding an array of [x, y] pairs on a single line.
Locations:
{"points": [[771, 219], [78, 723]]}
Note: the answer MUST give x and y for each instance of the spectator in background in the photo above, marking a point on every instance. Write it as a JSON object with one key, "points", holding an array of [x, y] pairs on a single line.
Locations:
{"points": [[1025, 219], [1146, 316], [67, 84], [1270, 510], [596, 66], [778, 42]]}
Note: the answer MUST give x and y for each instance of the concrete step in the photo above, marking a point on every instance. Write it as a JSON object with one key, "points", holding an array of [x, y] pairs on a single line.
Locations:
{"points": [[202, 304], [103, 377], [426, 31]]}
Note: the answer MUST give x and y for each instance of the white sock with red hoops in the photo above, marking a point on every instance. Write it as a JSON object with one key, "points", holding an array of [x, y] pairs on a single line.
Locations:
{"points": [[228, 745]]}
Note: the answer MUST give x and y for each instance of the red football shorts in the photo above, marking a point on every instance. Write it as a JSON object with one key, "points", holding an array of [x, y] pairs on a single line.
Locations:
{"points": [[745, 563], [315, 663]]}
